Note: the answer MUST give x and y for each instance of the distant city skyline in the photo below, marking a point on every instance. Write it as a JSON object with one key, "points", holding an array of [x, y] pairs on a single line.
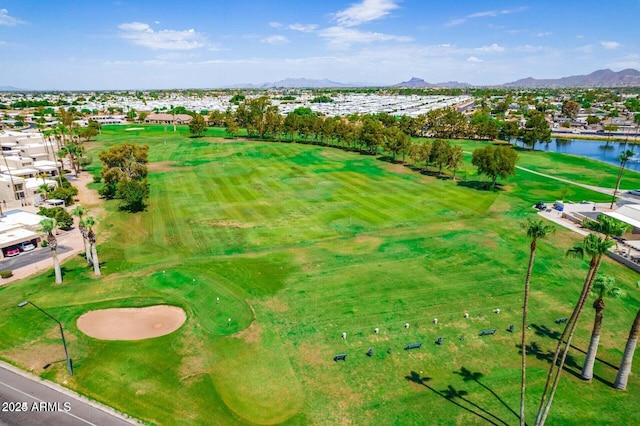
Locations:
{"points": [[70, 45]]}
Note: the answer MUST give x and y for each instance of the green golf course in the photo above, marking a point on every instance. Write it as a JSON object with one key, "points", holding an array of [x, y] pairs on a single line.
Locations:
{"points": [[302, 243]]}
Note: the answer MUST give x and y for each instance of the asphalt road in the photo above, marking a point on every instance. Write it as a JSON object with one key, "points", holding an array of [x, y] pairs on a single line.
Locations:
{"points": [[24, 401], [29, 257]]}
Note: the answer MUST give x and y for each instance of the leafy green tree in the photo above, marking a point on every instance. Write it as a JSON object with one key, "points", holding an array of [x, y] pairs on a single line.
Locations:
{"points": [[592, 119], [440, 152], [48, 227], [126, 161], [231, 126], [570, 108], [535, 130], [198, 126], [603, 286], [372, 134], [509, 130], [455, 159], [627, 359], [132, 194], [536, 230], [484, 126], [495, 162], [396, 141], [63, 219]]}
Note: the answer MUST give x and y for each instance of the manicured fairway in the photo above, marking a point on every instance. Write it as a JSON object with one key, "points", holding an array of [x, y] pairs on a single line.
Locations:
{"points": [[302, 243]]}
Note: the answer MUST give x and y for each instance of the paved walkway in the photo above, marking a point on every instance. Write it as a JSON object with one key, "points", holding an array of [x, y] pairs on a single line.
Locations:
{"points": [[608, 191]]}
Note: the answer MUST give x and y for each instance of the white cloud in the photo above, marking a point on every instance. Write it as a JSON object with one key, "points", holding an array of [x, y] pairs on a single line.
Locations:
{"points": [[485, 14], [473, 59], [492, 48], [368, 10], [275, 39], [543, 34], [275, 24], [610, 44], [588, 48], [7, 20], [302, 27], [143, 35], [341, 37]]}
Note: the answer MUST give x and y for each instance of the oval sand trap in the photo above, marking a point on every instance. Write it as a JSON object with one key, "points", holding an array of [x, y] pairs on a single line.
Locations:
{"points": [[131, 323]]}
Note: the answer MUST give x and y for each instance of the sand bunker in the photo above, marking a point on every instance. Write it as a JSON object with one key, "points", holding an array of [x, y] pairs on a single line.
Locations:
{"points": [[131, 323]]}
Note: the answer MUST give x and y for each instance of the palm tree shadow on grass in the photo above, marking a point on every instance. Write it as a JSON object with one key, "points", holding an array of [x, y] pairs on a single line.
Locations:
{"points": [[450, 394], [534, 349], [468, 375], [571, 366]]}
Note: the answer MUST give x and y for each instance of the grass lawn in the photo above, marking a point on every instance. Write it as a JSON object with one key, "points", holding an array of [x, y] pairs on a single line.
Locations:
{"points": [[302, 243]]}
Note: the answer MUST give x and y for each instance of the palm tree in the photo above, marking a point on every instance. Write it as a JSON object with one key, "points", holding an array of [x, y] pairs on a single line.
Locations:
{"points": [[627, 358], [596, 247], [89, 222], [81, 211], [622, 158], [603, 286], [48, 227], [536, 229]]}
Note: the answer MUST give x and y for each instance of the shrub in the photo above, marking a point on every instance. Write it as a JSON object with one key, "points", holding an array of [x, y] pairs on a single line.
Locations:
{"points": [[6, 273], [44, 243], [97, 179]]}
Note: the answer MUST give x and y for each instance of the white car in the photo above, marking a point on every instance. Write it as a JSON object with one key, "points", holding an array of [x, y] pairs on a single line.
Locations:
{"points": [[27, 246]]}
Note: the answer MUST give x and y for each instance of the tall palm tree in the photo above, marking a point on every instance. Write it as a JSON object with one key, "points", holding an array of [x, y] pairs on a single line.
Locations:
{"points": [[91, 236], [596, 247], [81, 211], [627, 358], [536, 229], [49, 227], [622, 158], [603, 286]]}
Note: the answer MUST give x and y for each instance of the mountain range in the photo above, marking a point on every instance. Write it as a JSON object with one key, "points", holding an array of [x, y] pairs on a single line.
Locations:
{"points": [[290, 83], [601, 78]]}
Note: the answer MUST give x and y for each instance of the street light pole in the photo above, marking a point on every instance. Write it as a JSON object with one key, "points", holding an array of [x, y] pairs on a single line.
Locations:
{"points": [[64, 342]]}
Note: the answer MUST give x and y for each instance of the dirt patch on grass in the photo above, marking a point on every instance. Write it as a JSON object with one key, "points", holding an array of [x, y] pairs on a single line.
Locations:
{"points": [[276, 305], [35, 357], [251, 334], [231, 224], [399, 168], [162, 166]]}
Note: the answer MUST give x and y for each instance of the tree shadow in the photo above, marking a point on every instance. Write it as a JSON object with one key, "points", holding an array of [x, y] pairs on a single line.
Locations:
{"points": [[478, 185], [450, 394], [571, 366], [544, 331], [468, 375]]}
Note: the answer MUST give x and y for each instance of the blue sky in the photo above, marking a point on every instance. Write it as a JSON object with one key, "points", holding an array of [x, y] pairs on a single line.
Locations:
{"points": [[67, 45]]}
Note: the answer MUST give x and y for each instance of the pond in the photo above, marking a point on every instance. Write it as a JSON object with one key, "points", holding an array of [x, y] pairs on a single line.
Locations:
{"points": [[604, 151]]}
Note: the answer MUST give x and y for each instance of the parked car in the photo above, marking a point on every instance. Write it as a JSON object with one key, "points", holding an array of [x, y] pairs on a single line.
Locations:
{"points": [[27, 246], [12, 251], [635, 192]]}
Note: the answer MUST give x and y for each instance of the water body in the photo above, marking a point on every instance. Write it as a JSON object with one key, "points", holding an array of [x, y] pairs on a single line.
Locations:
{"points": [[607, 152]]}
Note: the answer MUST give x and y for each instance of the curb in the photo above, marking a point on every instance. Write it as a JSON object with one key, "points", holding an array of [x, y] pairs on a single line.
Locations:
{"points": [[58, 388]]}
